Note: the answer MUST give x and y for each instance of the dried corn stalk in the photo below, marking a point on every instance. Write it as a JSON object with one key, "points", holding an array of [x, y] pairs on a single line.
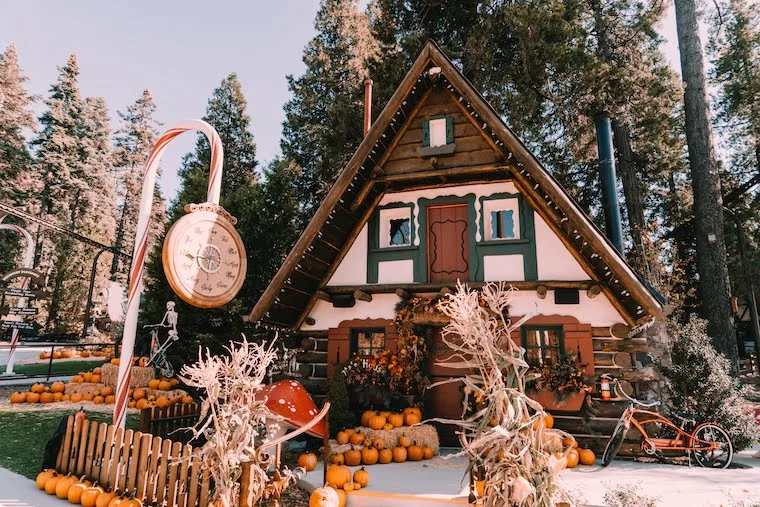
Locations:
{"points": [[506, 446], [236, 419]]}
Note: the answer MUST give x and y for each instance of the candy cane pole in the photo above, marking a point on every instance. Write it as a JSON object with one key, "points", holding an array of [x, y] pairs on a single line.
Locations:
{"points": [[141, 245], [29, 264]]}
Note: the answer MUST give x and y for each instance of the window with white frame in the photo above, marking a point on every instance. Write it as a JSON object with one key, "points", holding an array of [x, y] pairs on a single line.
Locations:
{"points": [[395, 227], [438, 131], [501, 218]]}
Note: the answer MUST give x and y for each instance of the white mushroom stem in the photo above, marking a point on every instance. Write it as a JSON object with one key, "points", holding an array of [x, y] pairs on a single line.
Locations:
{"points": [[277, 439]]}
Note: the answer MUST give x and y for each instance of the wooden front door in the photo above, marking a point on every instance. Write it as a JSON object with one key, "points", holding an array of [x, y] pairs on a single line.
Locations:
{"points": [[448, 243], [444, 401]]}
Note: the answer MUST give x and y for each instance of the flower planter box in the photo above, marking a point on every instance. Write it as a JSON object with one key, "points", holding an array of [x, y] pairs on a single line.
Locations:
{"points": [[561, 402]]}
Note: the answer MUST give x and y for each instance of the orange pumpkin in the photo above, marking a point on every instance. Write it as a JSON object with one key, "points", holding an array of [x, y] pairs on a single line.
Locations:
{"points": [[84, 353], [412, 418], [63, 485], [399, 454], [173, 381], [154, 383], [548, 421], [98, 400], [32, 398], [110, 399], [378, 444], [385, 456], [115, 361], [388, 427], [357, 438], [47, 398], [361, 476], [44, 355], [569, 441], [338, 475], [57, 396], [51, 484], [96, 378], [162, 401], [366, 416], [131, 404], [143, 361], [586, 457], [376, 422], [187, 400], [397, 420], [141, 403], [338, 459], [97, 371], [350, 431], [38, 388], [43, 477], [413, 410], [572, 458], [57, 354], [427, 452], [403, 441], [65, 397], [18, 397], [164, 385], [369, 455], [342, 438], [353, 457], [349, 486], [138, 394], [308, 461], [77, 379], [90, 495], [88, 396], [76, 397], [67, 354], [104, 499], [77, 489], [414, 452], [106, 390], [57, 387], [87, 377]]}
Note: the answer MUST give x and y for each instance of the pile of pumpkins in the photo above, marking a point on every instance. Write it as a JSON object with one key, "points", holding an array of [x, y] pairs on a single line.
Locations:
{"points": [[365, 452], [80, 491], [388, 420], [339, 482], [39, 393], [65, 353], [136, 361], [140, 398], [576, 455]]}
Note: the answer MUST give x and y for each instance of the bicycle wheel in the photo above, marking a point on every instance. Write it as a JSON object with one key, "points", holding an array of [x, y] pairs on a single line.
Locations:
{"points": [[718, 457], [614, 444]]}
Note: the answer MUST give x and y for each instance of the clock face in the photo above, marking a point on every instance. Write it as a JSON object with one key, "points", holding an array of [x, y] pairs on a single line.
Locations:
{"points": [[204, 259]]}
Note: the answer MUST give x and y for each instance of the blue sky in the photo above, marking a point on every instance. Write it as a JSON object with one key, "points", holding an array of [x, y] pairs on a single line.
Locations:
{"points": [[180, 50]]}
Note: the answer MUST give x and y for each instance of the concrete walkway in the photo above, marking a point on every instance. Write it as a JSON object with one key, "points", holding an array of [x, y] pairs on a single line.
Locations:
{"points": [[18, 491]]}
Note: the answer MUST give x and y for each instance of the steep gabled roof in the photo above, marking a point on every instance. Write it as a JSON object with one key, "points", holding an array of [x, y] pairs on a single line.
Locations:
{"points": [[361, 184]]}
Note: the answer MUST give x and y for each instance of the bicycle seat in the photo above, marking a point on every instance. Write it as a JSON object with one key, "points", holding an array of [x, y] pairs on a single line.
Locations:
{"points": [[685, 416]]}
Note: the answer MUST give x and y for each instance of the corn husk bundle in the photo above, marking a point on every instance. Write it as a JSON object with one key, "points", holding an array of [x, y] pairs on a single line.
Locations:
{"points": [[503, 436], [420, 434], [141, 375]]}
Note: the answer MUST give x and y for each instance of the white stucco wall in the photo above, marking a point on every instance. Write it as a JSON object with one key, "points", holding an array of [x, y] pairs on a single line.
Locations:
{"points": [[554, 261], [395, 271], [597, 311], [503, 267], [353, 269]]}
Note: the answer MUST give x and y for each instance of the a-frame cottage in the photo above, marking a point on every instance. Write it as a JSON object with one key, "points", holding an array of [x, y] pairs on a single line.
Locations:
{"points": [[442, 190]]}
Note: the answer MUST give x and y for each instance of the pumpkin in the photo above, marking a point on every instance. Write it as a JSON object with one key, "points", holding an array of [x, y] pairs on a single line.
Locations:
{"points": [[361, 476], [96, 378], [350, 431], [105, 391], [324, 497], [90, 495], [569, 441], [153, 384], [397, 420], [110, 399], [18, 397], [138, 394], [349, 486], [76, 397], [44, 355], [32, 397], [43, 476], [97, 371], [77, 379], [47, 398], [104, 499], [143, 361], [388, 427], [412, 410], [75, 491], [117, 501], [353, 457], [57, 387], [115, 361], [548, 421], [376, 422], [131, 501], [308, 461], [366, 417], [162, 401], [412, 418], [51, 484], [378, 444], [88, 396], [67, 354], [342, 438], [164, 385], [38, 388], [414, 452], [98, 400], [173, 381], [399, 454], [187, 400], [403, 441], [131, 404], [385, 456], [57, 355], [338, 475], [141, 403], [342, 499], [427, 452], [586, 457], [357, 438], [572, 458], [87, 377], [385, 413], [63, 485], [338, 459], [357, 486], [57, 396], [84, 353], [369, 455]]}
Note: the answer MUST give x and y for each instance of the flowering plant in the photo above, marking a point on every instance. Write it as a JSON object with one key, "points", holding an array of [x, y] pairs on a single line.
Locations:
{"points": [[566, 375], [385, 370]]}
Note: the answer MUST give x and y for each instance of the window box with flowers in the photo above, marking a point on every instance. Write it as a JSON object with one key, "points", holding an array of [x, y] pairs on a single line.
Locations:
{"points": [[561, 386]]}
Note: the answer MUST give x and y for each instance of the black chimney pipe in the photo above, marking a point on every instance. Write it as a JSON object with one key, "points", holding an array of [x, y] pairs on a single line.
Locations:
{"points": [[610, 203]]}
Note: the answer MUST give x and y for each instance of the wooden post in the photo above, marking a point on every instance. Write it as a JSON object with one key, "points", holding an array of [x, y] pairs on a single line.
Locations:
{"points": [[362, 296], [245, 484], [326, 449], [324, 296], [594, 291], [367, 105], [402, 293]]}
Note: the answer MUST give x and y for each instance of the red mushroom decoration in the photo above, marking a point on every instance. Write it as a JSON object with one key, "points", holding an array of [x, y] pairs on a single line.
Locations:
{"points": [[290, 400]]}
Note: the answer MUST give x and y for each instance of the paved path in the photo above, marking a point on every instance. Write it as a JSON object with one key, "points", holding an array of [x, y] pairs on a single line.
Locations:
{"points": [[18, 491]]}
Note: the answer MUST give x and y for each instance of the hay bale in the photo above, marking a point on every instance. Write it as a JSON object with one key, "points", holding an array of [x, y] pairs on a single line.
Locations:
{"points": [[421, 434], [141, 375]]}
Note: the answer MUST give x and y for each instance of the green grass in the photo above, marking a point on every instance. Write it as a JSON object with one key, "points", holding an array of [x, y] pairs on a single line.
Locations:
{"points": [[23, 436], [59, 367]]}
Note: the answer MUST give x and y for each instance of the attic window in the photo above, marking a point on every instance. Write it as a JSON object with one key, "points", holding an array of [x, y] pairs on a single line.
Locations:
{"points": [[502, 217], [438, 131], [395, 227], [401, 233], [502, 224]]}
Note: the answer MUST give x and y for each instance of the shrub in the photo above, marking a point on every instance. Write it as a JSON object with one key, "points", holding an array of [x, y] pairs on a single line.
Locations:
{"points": [[340, 414], [699, 381]]}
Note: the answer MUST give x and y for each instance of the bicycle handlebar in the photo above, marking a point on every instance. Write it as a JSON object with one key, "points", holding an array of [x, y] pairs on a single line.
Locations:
{"points": [[644, 404]]}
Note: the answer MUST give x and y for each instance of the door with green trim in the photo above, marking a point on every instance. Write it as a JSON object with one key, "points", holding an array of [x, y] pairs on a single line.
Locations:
{"points": [[448, 243]]}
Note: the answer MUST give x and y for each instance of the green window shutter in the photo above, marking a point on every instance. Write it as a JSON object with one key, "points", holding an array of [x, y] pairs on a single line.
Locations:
{"points": [[449, 130], [426, 133]]}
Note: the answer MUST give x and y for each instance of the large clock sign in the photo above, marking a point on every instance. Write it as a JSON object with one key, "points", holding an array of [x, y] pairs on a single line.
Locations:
{"points": [[204, 258]]}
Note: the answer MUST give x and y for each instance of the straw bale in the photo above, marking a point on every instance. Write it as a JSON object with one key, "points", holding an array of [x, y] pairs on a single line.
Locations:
{"points": [[141, 375], [421, 434]]}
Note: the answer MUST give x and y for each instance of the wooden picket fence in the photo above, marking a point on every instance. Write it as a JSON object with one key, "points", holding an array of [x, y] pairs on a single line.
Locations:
{"points": [[170, 422], [157, 469]]}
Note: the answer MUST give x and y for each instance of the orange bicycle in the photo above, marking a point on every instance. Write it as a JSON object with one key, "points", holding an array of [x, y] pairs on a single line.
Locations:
{"points": [[707, 442]]}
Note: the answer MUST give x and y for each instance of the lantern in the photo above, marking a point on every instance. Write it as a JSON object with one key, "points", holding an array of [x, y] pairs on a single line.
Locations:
{"points": [[605, 387]]}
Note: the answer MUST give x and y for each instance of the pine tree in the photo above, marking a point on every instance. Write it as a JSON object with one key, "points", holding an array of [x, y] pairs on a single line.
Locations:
{"points": [[323, 124], [15, 161], [714, 289], [133, 141]]}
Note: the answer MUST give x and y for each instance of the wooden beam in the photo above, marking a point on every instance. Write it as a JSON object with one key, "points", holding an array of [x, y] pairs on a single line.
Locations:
{"points": [[429, 288], [541, 291], [324, 296], [445, 173], [363, 193], [362, 296], [444, 291], [594, 291], [619, 345], [619, 330], [402, 294]]}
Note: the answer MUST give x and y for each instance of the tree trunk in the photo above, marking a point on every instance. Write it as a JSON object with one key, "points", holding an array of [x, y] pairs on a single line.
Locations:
{"points": [[714, 288]]}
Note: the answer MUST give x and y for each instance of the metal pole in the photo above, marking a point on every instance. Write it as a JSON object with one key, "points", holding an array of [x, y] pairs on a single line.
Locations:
{"points": [[610, 202], [88, 306]]}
